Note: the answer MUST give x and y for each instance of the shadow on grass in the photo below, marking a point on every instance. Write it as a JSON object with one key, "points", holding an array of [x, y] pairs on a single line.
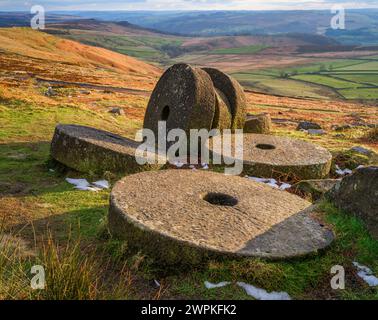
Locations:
{"points": [[84, 224]]}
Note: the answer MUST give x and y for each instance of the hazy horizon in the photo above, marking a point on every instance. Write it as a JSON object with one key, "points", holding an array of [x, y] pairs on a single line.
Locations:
{"points": [[183, 5]]}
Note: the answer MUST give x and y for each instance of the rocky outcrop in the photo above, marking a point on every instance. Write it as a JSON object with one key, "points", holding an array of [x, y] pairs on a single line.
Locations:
{"points": [[357, 194], [260, 124]]}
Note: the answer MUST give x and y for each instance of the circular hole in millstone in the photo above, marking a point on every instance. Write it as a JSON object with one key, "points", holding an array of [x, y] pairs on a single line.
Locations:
{"points": [[264, 146], [220, 199], [165, 113]]}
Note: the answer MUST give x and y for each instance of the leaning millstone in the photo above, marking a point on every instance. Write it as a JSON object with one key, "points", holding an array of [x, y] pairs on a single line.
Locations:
{"points": [[90, 150], [272, 156], [357, 194], [315, 189], [261, 124], [234, 94], [184, 97], [207, 215], [222, 117]]}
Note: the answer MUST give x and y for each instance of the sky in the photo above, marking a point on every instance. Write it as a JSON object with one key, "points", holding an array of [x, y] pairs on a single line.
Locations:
{"points": [[99, 5]]}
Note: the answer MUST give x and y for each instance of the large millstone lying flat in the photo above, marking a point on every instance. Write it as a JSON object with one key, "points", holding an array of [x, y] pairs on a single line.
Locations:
{"points": [[90, 150], [272, 156], [185, 216]]}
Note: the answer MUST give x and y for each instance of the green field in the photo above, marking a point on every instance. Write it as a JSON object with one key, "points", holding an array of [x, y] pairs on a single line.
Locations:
{"points": [[240, 50], [367, 78], [363, 94], [343, 78], [326, 80], [284, 87], [367, 66]]}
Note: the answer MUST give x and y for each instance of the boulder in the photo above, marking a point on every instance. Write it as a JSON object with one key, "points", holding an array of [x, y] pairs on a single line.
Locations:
{"points": [[50, 92], [306, 125], [117, 111], [357, 194], [361, 150], [342, 127], [316, 132], [260, 124], [315, 189]]}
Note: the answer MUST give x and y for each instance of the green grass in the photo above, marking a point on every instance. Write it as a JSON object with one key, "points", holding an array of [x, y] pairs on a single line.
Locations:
{"points": [[298, 277], [348, 78], [19, 119], [83, 265], [240, 50], [367, 66], [366, 79], [323, 66], [361, 93], [326, 81], [281, 86]]}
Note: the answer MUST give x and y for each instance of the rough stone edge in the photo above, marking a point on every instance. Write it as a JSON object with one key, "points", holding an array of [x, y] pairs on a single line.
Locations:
{"points": [[171, 251], [87, 157], [235, 95]]}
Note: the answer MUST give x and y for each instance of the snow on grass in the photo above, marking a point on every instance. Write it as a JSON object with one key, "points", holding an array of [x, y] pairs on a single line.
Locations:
{"points": [[366, 274], [257, 293], [271, 182], [261, 294], [84, 185], [210, 285]]}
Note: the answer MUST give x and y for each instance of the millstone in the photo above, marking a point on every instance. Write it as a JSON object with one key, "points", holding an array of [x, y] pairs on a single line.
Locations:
{"points": [[261, 124], [234, 94], [90, 150], [184, 97], [271, 156], [222, 116], [186, 216]]}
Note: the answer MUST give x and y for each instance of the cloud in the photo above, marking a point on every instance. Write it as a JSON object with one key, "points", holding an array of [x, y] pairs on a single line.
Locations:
{"points": [[182, 4]]}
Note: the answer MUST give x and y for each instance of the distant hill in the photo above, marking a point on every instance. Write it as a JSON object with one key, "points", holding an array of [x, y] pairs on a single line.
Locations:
{"points": [[39, 45], [221, 23], [120, 28]]}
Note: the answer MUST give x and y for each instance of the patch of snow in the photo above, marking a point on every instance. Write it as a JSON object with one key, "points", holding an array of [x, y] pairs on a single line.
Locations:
{"points": [[78, 182], [84, 185], [344, 172], [210, 285], [89, 188], [366, 274], [271, 182], [102, 184], [273, 185], [178, 164], [285, 186], [205, 166], [261, 294]]}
